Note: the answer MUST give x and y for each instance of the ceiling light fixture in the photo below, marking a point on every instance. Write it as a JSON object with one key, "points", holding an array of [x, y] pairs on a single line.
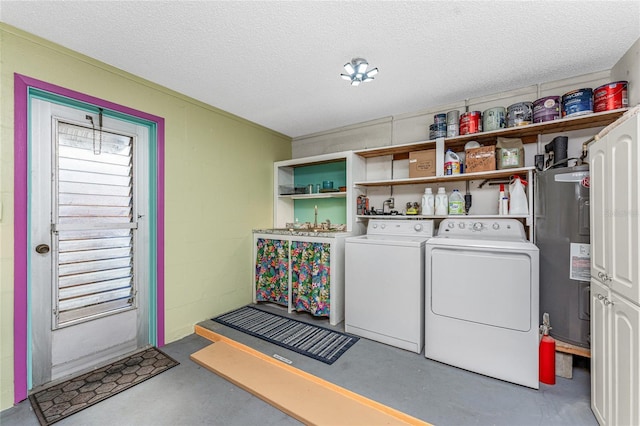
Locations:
{"points": [[357, 71]]}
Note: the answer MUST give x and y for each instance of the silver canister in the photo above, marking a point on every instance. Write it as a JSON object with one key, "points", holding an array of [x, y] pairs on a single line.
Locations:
{"points": [[453, 123], [520, 114], [494, 119]]}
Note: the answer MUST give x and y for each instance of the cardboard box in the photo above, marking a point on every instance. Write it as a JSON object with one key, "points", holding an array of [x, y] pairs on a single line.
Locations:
{"points": [[422, 163], [482, 159]]}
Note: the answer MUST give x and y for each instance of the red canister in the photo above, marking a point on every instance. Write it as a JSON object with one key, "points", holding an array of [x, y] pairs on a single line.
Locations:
{"points": [[610, 96], [470, 122]]}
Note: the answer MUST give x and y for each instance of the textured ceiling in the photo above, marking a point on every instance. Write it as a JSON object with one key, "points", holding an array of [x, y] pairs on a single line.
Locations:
{"points": [[277, 63]]}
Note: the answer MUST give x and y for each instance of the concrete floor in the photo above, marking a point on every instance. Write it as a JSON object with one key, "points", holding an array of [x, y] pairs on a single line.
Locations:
{"points": [[191, 395]]}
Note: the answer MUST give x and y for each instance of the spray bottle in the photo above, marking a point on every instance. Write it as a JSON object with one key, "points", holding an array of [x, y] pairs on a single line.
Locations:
{"points": [[503, 201]]}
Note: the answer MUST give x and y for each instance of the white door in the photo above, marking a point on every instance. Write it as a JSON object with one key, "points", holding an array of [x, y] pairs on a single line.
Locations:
{"points": [[88, 197], [625, 361], [624, 207], [600, 207], [599, 352]]}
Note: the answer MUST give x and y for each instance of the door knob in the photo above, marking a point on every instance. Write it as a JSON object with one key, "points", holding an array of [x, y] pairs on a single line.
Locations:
{"points": [[42, 248]]}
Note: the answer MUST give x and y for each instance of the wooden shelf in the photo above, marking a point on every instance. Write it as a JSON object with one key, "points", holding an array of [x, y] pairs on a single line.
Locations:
{"points": [[505, 173], [528, 134]]}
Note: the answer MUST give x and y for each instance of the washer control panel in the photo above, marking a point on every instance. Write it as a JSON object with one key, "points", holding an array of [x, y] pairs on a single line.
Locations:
{"points": [[487, 228], [400, 227]]}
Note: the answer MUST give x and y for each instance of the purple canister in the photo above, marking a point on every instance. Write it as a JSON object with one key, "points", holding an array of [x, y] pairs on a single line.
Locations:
{"points": [[546, 109]]}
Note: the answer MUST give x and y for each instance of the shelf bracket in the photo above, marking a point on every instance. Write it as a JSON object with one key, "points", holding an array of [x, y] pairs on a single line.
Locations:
{"points": [[493, 182]]}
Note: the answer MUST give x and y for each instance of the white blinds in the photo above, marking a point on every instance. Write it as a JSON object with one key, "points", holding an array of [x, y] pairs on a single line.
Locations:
{"points": [[94, 223]]}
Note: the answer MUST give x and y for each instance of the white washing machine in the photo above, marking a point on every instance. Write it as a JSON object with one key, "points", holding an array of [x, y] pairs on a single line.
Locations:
{"points": [[384, 282], [481, 299]]}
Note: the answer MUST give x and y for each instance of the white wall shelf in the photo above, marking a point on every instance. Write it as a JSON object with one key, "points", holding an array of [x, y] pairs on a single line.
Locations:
{"points": [[314, 196], [528, 134]]}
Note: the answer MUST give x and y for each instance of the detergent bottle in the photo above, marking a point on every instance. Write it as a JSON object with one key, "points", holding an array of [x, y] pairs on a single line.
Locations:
{"points": [[456, 203], [518, 197], [428, 202], [451, 163], [442, 203]]}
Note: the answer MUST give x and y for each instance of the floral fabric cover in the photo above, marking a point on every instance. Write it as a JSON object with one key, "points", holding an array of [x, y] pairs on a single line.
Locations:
{"points": [[272, 271], [310, 276]]}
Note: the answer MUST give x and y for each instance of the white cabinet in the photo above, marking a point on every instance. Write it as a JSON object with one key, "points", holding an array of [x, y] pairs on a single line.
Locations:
{"points": [[303, 269], [615, 357], [302, 272], [615, 284], [615, 195], [599, 353]]}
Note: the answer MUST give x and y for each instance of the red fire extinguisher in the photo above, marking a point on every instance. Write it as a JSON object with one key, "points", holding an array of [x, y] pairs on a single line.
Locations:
{"points": [[547, 353]]}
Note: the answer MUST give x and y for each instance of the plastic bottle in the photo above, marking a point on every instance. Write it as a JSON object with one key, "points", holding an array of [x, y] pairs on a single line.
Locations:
{"points": [[451, 163], [504, 205], [428, 202], [518, 202], [501, 198], [442, 204], [456, 203]]}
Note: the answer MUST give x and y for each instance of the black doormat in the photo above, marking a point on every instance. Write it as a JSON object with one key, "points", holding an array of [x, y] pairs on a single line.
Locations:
{"points": [[64, 399], [307, 339]]}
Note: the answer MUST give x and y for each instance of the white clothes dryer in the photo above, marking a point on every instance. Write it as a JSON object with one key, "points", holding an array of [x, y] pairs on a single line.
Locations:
{"points": [[482, 297], [384, 282]]}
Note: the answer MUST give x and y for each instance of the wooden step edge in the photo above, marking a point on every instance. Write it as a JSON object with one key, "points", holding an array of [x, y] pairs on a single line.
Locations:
{"points": [[402, 417]]}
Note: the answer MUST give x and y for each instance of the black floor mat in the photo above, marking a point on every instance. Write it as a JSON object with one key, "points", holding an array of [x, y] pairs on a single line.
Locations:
{"points": [[64, 399], [307, 339]]}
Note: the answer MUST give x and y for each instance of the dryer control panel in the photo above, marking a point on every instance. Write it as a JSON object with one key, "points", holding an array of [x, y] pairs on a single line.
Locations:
{"points": [[497, 229]]}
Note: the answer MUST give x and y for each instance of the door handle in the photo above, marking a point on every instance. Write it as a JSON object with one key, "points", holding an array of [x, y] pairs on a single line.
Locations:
{"points": [[42, 248]]}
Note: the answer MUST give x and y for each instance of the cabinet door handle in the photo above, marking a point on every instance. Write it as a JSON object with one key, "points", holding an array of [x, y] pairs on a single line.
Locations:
{"points": [[608, 302], [600, 275], [600, 297]]}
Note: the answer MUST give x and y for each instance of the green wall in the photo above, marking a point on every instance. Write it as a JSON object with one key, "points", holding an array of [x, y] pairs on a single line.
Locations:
{"points": [[218, 178]]}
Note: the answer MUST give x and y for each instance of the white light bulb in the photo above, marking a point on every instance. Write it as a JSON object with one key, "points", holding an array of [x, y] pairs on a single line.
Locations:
{"points": [[372, 72], [362, 67], [349, 68]]}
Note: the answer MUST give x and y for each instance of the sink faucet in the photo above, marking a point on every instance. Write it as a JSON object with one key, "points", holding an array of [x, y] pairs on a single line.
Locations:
{"points": [[389, 203], [315, 219]]}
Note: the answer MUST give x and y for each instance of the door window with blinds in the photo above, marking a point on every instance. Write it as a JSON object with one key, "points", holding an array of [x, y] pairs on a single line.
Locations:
{"points": [[93, 225]]}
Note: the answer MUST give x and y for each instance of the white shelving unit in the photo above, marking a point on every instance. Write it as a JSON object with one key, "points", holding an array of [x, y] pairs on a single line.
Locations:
{"points": [[284, 176], [284, 212]]}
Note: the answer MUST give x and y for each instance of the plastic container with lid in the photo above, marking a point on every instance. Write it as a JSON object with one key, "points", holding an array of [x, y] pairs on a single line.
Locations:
{"points": [[451, 163], [428, 202], [442, 206], [456, 203]]}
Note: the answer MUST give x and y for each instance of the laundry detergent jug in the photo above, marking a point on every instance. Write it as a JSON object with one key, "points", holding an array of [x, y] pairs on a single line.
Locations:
{"points": [[442, 205], [451, 163], [456, 203], [428, 202]]}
